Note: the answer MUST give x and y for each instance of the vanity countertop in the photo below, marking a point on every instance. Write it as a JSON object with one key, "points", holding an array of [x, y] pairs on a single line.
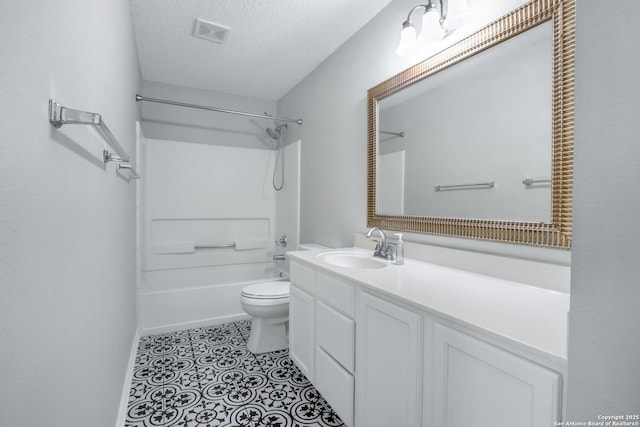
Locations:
{"points": [[526, 314]]}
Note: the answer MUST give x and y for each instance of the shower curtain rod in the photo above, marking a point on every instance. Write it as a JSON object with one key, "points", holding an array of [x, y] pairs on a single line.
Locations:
{"points": [[219, 110]]}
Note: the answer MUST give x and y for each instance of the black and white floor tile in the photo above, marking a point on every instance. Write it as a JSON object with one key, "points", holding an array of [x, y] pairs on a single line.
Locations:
{"points": [[206, 377]]}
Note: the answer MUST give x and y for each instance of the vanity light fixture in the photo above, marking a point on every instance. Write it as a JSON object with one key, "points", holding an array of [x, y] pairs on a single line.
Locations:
{"points": [[436, 24]]}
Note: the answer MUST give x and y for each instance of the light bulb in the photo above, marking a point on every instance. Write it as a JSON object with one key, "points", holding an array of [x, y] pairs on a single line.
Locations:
{"points": [[431, 29], [408, 40]]}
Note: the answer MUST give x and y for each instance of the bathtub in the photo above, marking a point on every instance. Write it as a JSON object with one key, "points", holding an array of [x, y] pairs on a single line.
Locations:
{"points": [[177, 299]]}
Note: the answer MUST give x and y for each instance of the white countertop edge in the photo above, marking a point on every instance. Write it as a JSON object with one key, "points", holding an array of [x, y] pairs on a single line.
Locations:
{"points": [[526, 314]]}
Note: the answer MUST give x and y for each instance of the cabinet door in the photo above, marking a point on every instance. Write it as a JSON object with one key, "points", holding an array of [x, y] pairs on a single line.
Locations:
{"points": [[387, 364], [302, 330], [479, 384]]}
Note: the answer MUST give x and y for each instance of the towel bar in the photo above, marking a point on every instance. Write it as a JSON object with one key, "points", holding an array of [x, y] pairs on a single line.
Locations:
{"points": [[59, 115]]}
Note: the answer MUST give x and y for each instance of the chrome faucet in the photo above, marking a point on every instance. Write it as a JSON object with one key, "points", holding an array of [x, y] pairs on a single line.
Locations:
{"points": [[383, 250]]}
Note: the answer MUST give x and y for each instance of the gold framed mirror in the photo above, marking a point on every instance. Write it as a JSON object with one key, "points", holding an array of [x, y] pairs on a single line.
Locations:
{"points": [[552, 230]]}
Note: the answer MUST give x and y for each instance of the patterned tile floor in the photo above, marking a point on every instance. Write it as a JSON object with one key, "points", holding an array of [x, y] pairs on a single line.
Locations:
{"points": [[206, 377]]}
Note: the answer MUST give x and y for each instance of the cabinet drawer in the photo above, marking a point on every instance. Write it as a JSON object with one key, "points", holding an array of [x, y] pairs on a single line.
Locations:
{"points": [[336, 385], [335, 333], [302, 276], [336, 293]]}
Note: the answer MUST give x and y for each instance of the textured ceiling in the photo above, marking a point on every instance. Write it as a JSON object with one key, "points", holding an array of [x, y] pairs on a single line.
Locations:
{"points": [[272, 45]]}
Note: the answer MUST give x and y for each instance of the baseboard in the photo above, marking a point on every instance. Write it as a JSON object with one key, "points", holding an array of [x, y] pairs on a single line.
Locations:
{"points": [[195, 324], [124, 399]]}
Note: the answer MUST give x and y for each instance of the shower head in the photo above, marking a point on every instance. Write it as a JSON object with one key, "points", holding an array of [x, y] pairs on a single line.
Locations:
{"points": [[274, 133]]}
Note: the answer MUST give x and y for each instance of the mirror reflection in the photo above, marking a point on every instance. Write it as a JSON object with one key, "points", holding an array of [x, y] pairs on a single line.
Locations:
{"points": [[473, 140]]}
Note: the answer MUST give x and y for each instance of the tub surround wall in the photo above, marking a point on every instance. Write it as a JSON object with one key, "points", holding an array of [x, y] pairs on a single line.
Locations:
{"points": [[206, 195], [67, 221], [203, 195], [208, 181], [288, 203]]}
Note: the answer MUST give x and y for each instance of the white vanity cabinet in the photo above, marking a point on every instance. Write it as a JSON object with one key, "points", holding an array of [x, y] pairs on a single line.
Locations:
{"points": [[476, 383], [388, 364], [385, 360]]}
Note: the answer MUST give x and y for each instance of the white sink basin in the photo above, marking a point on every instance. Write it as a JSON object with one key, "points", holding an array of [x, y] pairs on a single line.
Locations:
{"points": [[353, 260]]}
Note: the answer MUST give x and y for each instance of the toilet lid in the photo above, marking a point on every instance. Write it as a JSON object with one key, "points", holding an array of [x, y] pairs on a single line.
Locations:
{"points": [[267, 290]]}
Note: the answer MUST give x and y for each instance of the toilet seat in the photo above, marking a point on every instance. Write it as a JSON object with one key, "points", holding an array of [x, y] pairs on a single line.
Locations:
{"points": [[267, 291]]}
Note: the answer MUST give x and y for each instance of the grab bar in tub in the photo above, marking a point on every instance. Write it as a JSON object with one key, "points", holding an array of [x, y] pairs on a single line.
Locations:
{"points": [[228, 245]]}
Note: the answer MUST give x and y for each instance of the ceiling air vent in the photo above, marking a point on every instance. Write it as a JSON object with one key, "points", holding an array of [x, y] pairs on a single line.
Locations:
{"points": [[210, 31]]}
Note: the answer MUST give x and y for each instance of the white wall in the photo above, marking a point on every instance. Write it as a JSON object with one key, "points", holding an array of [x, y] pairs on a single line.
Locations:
{"points": [[604, 367], [67, 222], [332, 103]]}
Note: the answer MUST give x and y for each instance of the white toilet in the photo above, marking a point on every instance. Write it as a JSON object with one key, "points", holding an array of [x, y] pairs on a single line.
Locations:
{"points": [[268, 305]]}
